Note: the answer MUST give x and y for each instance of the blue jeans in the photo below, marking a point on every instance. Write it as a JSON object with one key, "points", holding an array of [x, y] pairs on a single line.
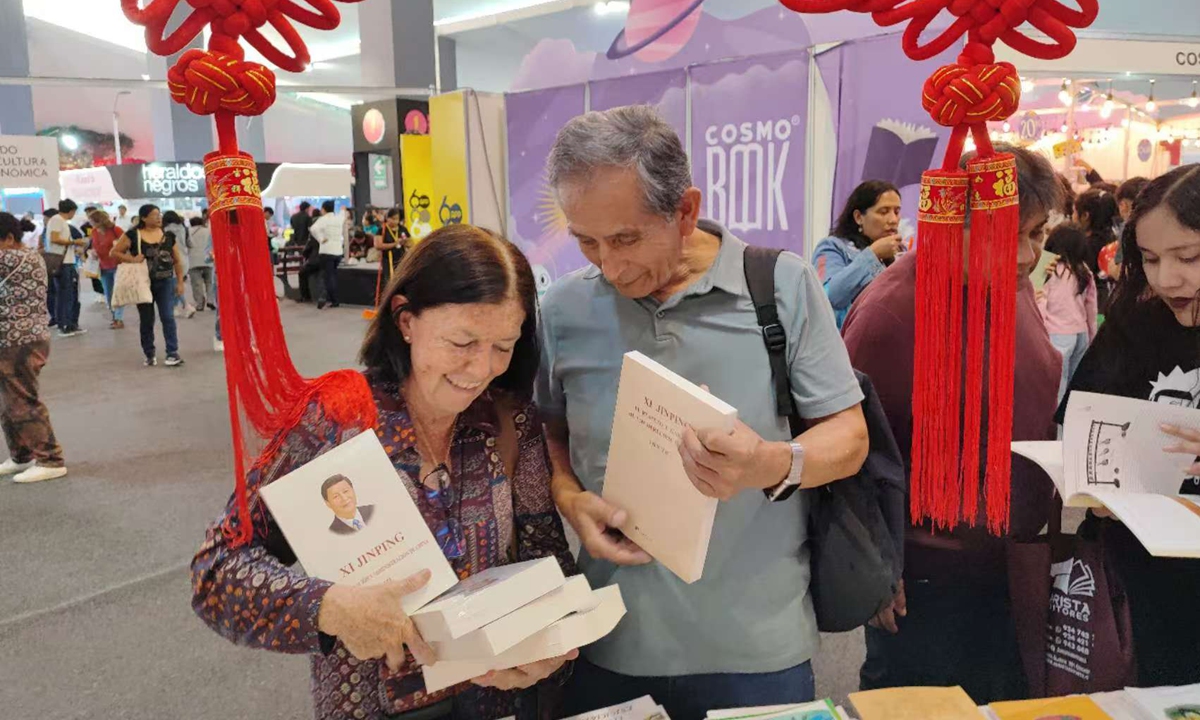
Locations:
{"points": [[108, 278], [217, 302], [164, 297], [1072, 348], [68, 298], [688, 697]]}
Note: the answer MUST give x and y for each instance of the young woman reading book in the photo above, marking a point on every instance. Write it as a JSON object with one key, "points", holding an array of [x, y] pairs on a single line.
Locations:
{"points": [[1149, 348]]}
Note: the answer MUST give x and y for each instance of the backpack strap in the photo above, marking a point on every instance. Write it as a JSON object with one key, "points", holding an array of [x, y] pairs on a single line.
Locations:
{"points": [[760, 279]]}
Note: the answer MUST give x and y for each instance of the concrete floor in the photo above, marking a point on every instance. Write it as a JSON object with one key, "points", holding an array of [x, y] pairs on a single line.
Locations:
{"points": [[95, 619]]}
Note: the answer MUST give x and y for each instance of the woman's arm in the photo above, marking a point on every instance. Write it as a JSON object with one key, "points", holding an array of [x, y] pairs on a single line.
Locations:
{"points": [[120, 251], [1091, 308], [249, 595], [844, 280]]}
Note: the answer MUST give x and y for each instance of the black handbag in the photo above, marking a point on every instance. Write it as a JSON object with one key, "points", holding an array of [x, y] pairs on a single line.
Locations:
{"points": [[856, 525]]}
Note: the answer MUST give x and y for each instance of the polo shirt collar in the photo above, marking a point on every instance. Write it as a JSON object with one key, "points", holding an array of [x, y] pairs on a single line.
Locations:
{"points": [[728, 269]]}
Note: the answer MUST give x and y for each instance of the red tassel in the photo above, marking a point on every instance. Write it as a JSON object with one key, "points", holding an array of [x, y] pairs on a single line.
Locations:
{"points": [[995, 226], [937, 345], [261, 378]]}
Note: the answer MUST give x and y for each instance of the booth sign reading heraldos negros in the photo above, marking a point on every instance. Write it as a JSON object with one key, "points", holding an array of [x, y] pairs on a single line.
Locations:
{"points": [[167, 180]]}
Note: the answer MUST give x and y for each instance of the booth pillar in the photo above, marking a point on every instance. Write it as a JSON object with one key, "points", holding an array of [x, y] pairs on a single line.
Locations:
{"points": [[399, 47], [16, 101]]}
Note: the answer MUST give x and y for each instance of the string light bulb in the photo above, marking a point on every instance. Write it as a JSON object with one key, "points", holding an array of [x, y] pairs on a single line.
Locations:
{"points": [[1151, 106], [1106, 110], [1194, 100], [1007, 126], [1026, 85]]}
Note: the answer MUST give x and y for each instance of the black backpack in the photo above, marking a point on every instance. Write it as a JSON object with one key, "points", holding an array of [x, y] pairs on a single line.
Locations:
{"points": [[856, 526]]}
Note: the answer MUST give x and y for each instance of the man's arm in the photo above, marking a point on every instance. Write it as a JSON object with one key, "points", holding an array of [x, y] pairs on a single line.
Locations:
{"points": [[597, 522], [62, 238]]}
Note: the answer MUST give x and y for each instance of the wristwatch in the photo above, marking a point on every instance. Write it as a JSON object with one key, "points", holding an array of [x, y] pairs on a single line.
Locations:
{"points": [[791, 483]]}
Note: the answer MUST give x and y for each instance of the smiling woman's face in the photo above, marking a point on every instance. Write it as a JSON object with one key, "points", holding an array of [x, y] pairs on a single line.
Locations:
{"points": [[458, 350], [1171, 256]]}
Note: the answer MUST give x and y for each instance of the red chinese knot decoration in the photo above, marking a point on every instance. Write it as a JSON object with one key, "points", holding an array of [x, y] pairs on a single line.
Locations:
{"points": [[263, 383], [948, 464]]}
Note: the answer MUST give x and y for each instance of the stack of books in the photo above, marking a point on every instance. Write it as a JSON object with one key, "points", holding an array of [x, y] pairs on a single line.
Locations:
{"points": [[935, 703], [819, 710], [350, 519]]}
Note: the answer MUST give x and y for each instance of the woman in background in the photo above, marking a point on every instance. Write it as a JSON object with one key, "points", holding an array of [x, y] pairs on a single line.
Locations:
{"points": [[1149, 348], [869, 222], [1096, 211], [150, 244], [35, 454], [392, 243], [105, 234], [1068, 300]]}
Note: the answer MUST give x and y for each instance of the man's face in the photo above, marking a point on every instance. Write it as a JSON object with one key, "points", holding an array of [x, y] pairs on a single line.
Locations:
{"points": [[340, 498], [638, 251], [1030, 243]]}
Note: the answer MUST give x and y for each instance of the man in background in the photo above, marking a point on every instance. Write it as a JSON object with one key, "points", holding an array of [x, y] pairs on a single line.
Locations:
{"points": [[301, 224], [328, 231], [66, 241], [122, 220]]}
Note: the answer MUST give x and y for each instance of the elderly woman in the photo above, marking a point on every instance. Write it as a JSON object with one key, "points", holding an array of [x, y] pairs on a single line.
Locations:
{"points": [[24, 349], [451, 358]]}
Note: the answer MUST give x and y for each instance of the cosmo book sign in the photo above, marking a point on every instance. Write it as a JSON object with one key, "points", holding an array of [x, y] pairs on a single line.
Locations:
{"points": [[749, 121]]}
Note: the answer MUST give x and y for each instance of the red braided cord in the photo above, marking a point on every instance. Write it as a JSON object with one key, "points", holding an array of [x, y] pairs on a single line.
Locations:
{"points": [[982, 21], [231, 20]]}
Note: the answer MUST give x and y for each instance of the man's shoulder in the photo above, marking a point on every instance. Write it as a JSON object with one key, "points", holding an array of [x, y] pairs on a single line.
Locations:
{"points": [[575, 287]]}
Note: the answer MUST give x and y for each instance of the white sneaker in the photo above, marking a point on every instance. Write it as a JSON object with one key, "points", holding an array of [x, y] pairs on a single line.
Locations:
{"points": [[218, 345], [11, 467], [189, 312], [38, 473]]}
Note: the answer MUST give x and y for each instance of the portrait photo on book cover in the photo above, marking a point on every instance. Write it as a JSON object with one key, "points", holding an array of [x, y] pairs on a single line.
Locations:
{"points": [[339, 496]]}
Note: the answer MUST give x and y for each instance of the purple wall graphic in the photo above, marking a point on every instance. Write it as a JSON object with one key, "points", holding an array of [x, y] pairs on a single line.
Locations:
{"points": [[666, 90], [883, 132], [536, 224], [749, 128]]}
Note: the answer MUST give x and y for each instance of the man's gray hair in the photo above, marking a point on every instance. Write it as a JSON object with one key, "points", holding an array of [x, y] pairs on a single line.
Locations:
{"points": [[633, 137]]}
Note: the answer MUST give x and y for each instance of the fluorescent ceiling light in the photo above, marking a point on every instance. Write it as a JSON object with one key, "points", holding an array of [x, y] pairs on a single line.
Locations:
{"points": [[338, 101], [497, 10], [100, 20]]}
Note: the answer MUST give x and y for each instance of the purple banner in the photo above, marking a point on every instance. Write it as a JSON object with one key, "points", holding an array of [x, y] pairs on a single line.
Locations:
{"points": [[665, 90], [749, 124], [536, 225], [883, 132]]}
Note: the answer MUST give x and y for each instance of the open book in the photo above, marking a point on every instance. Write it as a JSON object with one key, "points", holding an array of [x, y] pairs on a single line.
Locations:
{"points": [[668, 517], [819, 710], [1112, 456], [899, 152], [644, 708]]}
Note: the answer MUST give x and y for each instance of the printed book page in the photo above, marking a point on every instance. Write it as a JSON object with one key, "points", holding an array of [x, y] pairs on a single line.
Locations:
{"points": [[1115, 444], [645, 474], [641, 709], [349, 518]]}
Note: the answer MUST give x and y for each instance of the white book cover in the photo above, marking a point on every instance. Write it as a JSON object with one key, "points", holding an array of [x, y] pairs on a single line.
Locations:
{"points": [[350, 519], [494, 638], [818, 710], [668, 517], [486, 597], [644, 708], [1112, 456], [1168, 703], [570, 633]]}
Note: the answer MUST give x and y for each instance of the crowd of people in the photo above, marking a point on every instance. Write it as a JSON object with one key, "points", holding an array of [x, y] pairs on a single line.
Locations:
{"points": [[496, 410]]}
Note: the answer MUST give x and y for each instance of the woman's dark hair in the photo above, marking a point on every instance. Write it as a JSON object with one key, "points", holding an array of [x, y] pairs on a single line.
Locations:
{"points": [[171, 217], [10, 226], [864, 197], [1070, 243], [1100, 206], [1068, 205], [1131, 188], [148, 209], [394, 212], [196, 221], [1179, 191], [456, 265]]}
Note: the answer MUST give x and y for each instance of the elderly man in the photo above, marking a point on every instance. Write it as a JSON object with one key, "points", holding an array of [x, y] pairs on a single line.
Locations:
{"points": [[672, 286]]}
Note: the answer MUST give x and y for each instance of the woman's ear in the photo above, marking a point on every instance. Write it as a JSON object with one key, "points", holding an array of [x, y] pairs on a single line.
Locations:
{"points": [[403, 317]]}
